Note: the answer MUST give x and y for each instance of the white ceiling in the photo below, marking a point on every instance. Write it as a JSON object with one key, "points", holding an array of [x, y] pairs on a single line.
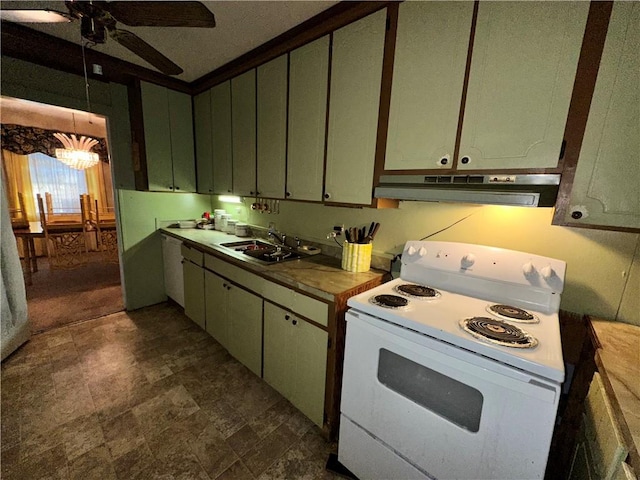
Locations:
{"points": [[240, 27]]}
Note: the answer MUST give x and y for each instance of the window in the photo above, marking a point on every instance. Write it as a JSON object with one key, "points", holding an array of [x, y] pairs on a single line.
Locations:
{"points": [[64, 183]]}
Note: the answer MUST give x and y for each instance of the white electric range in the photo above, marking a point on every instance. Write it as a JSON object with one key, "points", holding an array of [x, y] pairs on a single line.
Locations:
{"points": [[454, 370]]}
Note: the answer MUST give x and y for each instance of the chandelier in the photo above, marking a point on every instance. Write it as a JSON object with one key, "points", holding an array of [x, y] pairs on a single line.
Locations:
{"points": [[77, 151]]}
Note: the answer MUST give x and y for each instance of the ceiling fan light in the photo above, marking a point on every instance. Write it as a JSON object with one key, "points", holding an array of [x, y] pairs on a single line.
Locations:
{"points": [[34, 16]]}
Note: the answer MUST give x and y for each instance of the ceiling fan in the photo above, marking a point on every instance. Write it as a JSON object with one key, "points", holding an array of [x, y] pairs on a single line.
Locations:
{"points": [[97, 18]]}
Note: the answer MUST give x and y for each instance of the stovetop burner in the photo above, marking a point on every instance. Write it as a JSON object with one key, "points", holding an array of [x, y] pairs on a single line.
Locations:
{"points": [[417, 291], [498, 332], [514, 314], [389, 301]]}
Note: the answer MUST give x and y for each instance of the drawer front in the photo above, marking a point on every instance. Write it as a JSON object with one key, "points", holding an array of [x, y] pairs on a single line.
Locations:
{"points": [[602, 432], [301, 304], [237, 275], [191, 254]]}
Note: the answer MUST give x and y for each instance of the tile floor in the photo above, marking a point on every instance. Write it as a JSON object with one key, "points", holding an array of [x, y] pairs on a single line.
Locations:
{"points": [[147, 394]]}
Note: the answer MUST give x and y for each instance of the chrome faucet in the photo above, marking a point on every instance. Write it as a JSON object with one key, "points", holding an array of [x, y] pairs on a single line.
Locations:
{"points": [[281, 238]]}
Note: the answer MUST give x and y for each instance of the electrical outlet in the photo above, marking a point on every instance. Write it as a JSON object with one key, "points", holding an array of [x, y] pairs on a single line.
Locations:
{"points": [[339, 229]]}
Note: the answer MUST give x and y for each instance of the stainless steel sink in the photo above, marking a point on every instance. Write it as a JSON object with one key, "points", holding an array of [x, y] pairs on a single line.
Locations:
{"points": [[262, 251]]}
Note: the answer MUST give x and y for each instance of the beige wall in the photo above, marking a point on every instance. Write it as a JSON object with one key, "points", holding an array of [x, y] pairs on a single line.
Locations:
{"points": [[602, 277]]}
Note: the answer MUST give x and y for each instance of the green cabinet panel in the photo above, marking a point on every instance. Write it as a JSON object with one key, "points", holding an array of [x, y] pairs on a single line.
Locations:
{"points": [[523, 67], [243, 132], [356, 75], [428, 72], [168, 135], [221, 135], [606, 189], [216, 310], [272, 128], [295, 358], [204, 141], [244, 313], [194, 306], [308, 83]]}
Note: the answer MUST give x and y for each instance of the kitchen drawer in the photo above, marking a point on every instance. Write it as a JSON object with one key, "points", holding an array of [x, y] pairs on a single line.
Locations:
{"points": [[237, 275], [191, 254], [602, 433], [301, 304]]}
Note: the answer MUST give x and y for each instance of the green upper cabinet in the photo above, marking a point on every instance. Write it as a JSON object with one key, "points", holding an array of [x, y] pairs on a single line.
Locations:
{"points": [[221, 138], [243, 133], [523, 68], [356, 75], [272, 128], [428, 73], [308, 82], [204, 141], [168, 136], [606, 189]]}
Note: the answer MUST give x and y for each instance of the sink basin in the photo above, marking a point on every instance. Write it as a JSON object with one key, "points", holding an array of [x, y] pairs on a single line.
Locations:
{"points": [[262, 251]]}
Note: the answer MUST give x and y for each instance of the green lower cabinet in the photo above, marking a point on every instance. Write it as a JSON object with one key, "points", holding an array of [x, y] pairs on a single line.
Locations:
{"points": [[194, 305], [244, 316], [295, 360], [215, 289]]}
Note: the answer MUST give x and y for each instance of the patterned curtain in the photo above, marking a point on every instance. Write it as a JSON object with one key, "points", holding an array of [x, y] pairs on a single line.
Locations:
{"points": [[26, 140]]}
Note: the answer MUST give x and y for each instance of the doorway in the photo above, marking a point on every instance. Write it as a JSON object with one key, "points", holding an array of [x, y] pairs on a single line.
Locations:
{"points": [[81, 201]]}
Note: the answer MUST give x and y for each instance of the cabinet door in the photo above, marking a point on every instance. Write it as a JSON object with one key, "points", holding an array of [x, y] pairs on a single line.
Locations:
{"points": [[194, 306], [216, 309], [310, 368], [182, 151], [356, 73], [221, 135], [523, 67], [308, 79], [204, 144], [272, 128], [243, 131], [605, 189], [157, 136], [428, 72], [278, 356], [173, 275], [245, 328]]}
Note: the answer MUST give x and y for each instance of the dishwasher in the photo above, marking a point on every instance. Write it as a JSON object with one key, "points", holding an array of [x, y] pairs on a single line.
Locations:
{"points": [[173, 275]]}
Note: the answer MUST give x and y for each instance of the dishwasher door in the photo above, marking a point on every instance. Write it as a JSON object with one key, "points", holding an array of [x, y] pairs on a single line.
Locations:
{"points": [[173, 276]]}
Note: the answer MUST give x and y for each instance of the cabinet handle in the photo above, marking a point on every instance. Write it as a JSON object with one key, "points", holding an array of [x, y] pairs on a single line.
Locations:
{"points": [[228, 287], [294, 322], [576, 214], [229, 191], [288, 194], [327, 196], [444, 161], [177, 188], [287, 317], [224, 285], [465, 160], [251, 193]]}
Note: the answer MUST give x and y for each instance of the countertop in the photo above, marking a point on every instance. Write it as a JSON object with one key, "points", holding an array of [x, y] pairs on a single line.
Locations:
{"points": [[318, 275], [618, 361]]}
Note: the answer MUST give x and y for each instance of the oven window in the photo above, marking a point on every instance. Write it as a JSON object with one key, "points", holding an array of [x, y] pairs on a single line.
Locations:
{"points": [[444, 396]]}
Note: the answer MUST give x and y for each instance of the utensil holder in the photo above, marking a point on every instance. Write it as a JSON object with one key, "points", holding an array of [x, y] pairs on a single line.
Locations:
{"points": [[356, 257]]}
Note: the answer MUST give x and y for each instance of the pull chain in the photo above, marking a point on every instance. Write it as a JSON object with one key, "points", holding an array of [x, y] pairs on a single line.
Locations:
{"points": [[86, 79]]}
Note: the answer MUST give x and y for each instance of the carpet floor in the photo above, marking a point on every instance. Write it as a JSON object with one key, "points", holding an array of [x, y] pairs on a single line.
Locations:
{"points": [[61, 297]]}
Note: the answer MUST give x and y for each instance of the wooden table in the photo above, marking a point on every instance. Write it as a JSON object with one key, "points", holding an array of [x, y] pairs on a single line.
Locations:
{"points": [[27, 236]]}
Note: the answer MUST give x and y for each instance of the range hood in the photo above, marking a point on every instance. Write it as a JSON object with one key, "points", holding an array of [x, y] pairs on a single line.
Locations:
{"points": [[539, 190]]}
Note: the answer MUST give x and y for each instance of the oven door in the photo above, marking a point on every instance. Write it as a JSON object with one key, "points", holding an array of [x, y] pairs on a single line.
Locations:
{"points": [[445, 410]]}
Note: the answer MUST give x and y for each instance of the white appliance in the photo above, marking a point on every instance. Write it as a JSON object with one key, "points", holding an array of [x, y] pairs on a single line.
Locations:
{"points": [[425, 395]]}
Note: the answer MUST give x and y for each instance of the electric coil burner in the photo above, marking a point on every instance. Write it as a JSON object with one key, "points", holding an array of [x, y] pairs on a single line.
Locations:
{"points": [[417, 291], [497, 331], [389, 301], [514, 314]]}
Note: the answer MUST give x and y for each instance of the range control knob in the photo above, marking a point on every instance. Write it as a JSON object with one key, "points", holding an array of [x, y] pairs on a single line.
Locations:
{"points": [[411, 250], [547, 272], [528, 269], [422, 252], [468, 260]]}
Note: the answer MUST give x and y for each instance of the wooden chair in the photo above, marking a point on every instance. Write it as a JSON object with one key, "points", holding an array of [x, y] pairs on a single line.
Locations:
{"points": [[65, 241], [19, 214], [104, 222]]}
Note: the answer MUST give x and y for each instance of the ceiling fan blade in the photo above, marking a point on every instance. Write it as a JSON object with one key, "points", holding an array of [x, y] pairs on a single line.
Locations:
{"points": [[33, 16], [161, 14], [145, 51]]}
